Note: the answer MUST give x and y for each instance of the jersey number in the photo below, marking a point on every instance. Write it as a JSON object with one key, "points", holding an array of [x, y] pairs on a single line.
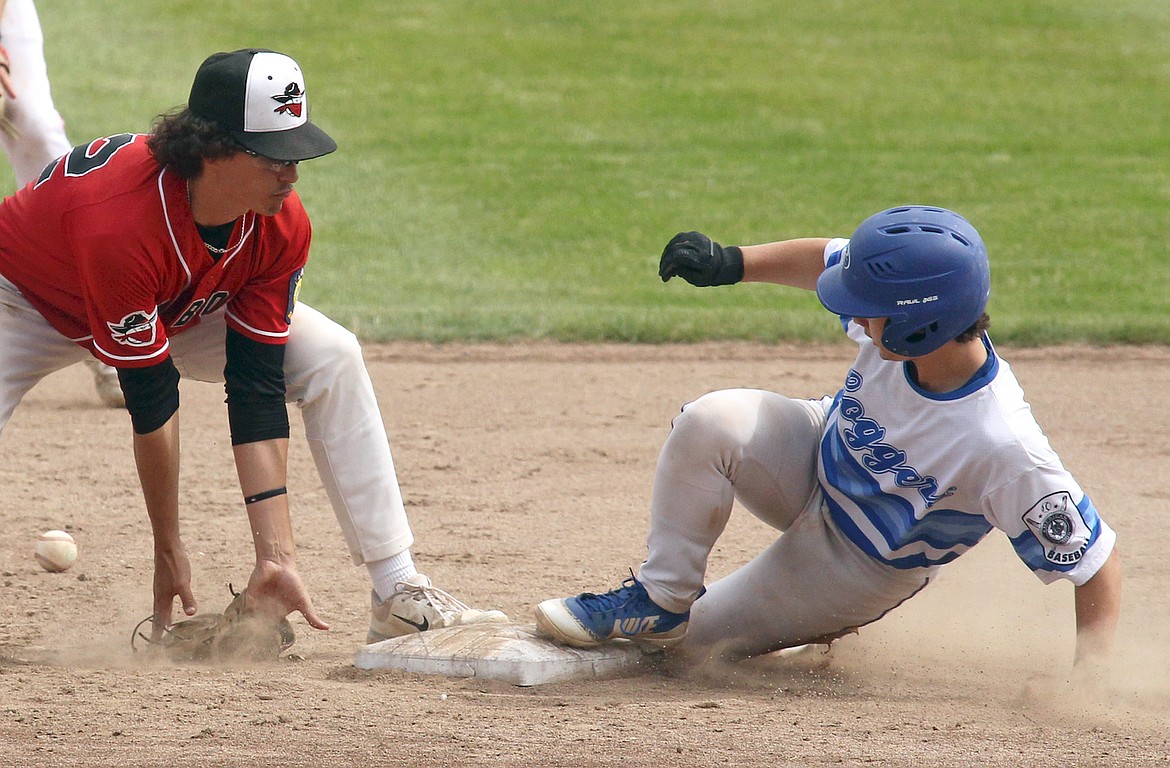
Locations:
{"points": [[88, 157], [201, 307]]}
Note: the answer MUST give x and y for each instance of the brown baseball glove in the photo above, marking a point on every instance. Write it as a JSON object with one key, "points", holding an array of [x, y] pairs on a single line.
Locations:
{"points": [[234, 635]]}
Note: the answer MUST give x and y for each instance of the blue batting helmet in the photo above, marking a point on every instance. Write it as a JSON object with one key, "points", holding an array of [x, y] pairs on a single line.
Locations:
{"points": [[924, 269]]}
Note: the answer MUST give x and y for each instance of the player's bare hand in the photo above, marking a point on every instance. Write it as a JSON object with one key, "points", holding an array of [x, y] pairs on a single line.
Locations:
{"points": [[700, 261], [172, 578], [6, 84], [6, 73], [276, 590]]}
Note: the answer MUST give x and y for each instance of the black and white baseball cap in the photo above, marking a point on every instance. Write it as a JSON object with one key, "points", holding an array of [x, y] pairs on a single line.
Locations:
{"points": [[259, 97]]}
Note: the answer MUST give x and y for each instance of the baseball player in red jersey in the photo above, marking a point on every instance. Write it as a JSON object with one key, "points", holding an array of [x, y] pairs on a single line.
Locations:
{"points": [[180, 254], [32, 132]]}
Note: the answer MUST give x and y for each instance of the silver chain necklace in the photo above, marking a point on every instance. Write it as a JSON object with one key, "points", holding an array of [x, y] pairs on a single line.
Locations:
{"points": [[213, 249], [209, 246]]}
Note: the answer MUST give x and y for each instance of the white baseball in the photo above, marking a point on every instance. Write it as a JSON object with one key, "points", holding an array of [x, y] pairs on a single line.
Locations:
{"points": [[56, 551]]}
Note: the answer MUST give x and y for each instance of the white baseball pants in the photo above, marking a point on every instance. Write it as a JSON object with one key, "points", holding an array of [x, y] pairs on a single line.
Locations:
{"points": [[326, 378], [42, 131], [759, 448]]}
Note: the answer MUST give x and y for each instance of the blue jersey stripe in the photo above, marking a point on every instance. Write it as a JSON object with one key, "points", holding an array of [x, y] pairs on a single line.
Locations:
{"points": [[946, 528], [948, 531], [853, 480], [854, 534]]}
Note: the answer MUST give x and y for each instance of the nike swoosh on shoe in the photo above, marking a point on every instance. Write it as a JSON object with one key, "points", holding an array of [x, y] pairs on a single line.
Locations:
{"points": [[421, 626]]}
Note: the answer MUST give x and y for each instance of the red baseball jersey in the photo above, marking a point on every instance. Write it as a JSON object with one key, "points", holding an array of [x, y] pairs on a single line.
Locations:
{"points": [[104, 245]]}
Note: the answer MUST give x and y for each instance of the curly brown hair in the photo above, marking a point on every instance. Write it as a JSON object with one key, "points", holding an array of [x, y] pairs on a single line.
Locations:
{"points": [[182, 141], [976, 330]]}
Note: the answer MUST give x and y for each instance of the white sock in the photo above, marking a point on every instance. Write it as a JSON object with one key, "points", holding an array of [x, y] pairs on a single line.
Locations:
{"points": [[385, 574]]}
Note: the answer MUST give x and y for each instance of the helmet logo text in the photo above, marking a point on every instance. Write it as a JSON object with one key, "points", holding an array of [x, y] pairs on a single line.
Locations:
{"points": [[923, 300]]}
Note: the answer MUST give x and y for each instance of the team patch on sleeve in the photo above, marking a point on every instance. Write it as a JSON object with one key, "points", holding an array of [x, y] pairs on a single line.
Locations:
{"points": [[137, 329], [294, 291], [1059, 526]]}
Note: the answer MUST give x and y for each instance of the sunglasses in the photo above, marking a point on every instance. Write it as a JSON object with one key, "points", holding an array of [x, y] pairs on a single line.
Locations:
{"points": [[276, 166]]}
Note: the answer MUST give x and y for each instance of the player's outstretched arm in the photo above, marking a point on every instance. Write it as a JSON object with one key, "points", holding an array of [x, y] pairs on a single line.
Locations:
{"points": [[796, 263], [275, 586], [1098, 607], [156, 455]]}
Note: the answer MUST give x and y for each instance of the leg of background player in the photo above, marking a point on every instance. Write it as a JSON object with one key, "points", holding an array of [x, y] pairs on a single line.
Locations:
{"points": [[40, 136]]}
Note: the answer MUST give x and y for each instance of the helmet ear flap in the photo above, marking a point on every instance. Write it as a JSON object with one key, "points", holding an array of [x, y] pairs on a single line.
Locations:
{"points": [[907, 343], [920, 335]]}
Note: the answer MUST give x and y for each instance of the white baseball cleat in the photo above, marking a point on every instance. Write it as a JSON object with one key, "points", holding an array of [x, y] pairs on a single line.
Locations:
{"points": [[419, 606]]}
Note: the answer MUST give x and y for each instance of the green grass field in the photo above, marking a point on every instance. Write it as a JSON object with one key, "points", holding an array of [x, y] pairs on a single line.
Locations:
{"points": [[512, 170]]}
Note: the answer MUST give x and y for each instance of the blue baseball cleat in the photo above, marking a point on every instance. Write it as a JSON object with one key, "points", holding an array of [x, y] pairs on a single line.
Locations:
{"points": [[588, 620]]}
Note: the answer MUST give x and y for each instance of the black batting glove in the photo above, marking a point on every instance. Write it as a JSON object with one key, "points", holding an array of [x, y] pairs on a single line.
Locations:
{"points": [[700, 261]]}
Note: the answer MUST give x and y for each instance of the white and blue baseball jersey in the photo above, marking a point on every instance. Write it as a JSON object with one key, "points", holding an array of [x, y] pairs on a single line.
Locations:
{"points": [[915, 479], [874, 489]]}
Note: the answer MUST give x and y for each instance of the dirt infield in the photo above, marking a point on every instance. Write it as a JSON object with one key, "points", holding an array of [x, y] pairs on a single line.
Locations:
{"points": [[527, 474]]}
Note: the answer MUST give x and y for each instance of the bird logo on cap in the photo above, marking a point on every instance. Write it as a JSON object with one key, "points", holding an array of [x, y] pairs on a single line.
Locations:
{"points": [[291, 101]]}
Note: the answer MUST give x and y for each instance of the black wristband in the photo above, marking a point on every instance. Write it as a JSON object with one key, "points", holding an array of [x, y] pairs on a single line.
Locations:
{"points": [[265, 495], [732, 270]]}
